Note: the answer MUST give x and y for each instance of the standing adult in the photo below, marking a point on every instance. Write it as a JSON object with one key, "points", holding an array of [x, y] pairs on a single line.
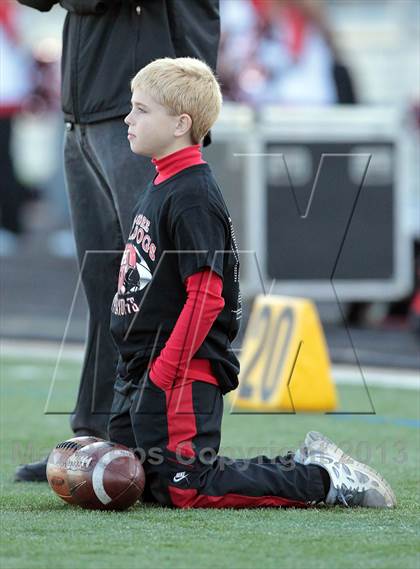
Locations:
{"points": [[105, 42]]}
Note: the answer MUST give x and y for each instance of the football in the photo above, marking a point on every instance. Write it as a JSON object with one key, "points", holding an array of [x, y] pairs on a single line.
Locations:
{"points": [[105, 476], [57, 464]]}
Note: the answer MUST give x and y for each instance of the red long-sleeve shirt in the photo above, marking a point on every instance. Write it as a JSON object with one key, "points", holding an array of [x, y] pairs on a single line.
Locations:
{"points": [[203, 305]]}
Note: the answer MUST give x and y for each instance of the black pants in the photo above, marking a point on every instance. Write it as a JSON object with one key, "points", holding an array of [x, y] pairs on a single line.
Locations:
{"points": [[177, 435], [104, 181]]}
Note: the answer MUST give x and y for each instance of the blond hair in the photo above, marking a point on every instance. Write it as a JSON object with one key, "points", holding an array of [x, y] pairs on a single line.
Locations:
{"points": [[183, 85]]}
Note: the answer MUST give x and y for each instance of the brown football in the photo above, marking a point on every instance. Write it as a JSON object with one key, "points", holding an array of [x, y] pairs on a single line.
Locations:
{"points": [[105, 476], [57, 464]]}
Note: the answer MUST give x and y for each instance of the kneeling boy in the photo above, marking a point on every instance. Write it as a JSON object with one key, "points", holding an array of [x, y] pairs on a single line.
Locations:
{"points": [[176, 312]]}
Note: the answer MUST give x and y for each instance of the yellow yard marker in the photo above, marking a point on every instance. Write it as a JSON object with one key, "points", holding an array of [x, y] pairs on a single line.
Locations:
{"points": [[284, 363]]}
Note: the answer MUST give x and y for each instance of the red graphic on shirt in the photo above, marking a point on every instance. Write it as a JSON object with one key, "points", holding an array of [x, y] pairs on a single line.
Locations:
{"points": [[134, 273]]}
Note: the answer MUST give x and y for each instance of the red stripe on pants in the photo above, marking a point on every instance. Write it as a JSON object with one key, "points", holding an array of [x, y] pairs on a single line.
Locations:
{"points": [[192, 499], [181, 419]]}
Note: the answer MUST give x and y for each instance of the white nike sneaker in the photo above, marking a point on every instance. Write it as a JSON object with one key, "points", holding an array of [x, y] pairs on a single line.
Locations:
{"points": [[352, 483]]}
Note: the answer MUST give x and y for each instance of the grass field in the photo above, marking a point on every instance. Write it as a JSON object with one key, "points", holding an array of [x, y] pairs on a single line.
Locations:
{"points": [[38, 530]]}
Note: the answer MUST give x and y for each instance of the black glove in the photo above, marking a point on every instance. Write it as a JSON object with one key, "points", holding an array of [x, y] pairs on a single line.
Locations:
{"points": [[207, 139], [41, 5], [86, 6]]}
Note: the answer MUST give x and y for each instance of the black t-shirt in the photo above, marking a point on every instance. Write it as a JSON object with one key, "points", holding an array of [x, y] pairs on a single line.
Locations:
{"points": [[180, 227]]}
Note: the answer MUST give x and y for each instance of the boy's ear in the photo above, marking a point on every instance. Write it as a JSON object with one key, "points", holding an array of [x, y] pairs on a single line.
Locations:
{"points": [[184, 125]]}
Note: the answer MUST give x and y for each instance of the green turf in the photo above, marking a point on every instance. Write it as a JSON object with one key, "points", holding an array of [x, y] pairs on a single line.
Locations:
{"points": [[38, 530]]}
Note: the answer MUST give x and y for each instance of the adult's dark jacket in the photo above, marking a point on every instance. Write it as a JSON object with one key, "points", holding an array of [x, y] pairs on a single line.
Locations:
{"points": [[105, 43]]}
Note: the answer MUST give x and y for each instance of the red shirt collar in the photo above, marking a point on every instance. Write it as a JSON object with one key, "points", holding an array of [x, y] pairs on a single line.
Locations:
{"points": [[173, 163]]}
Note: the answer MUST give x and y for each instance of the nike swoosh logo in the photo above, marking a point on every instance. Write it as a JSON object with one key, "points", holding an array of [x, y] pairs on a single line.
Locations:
{"points": [[180, 476]]}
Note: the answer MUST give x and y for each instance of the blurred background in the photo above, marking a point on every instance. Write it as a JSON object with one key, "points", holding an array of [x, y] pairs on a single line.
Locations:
{"points": [[319, 95]]}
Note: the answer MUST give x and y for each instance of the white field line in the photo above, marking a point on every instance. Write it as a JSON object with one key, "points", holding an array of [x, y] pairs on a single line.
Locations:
{"points": [[376, 377], [41, 351], [342, 374]]}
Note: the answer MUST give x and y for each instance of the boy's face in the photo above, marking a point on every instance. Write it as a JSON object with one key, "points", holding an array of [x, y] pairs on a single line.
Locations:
{"points": [[152, 131]]}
